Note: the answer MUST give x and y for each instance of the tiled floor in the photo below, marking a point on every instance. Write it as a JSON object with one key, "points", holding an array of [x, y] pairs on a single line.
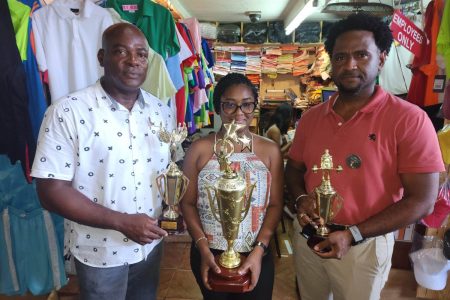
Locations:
{"points": [[177, 281]]}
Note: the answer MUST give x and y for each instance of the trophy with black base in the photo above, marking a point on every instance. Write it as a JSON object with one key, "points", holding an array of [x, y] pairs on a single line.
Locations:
{"points": [[172, 184], [230, 202], [327, 203]]}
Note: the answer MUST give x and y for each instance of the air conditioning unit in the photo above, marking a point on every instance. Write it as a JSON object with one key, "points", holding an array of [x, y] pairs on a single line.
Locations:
{"points": [[346, 7]]}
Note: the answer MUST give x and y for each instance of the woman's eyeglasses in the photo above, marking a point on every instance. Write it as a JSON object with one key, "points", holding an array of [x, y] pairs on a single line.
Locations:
{"points": [[230, 107]]}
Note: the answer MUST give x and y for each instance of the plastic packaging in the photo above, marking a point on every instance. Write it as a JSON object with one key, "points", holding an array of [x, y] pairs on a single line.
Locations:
{"points": [[208, 31], [229, 33], [429, 263]]}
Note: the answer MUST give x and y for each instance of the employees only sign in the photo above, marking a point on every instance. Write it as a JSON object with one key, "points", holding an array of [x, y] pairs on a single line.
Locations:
{"points": [[407, 33]]}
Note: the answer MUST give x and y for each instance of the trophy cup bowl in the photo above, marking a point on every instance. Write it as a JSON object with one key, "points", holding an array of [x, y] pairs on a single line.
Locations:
{"points": [[172, 185], [232, 207], [327, 206]]}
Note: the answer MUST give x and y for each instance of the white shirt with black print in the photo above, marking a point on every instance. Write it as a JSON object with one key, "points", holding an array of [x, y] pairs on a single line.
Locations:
{"points": [[112, 156]]}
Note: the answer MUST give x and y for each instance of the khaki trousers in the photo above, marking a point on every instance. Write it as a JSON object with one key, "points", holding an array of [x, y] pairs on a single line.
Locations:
{"points": [[359, 275]]}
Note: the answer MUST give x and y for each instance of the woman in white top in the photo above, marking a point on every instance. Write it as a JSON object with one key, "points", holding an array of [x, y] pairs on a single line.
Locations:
{"points": [[235, 98]]}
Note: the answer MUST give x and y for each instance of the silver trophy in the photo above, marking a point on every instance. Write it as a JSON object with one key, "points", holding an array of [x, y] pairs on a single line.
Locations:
{"points": [[172, 184]]}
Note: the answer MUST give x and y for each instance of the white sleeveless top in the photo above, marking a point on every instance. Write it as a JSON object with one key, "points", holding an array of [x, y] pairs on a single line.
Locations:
{"points": [[253, 170]]}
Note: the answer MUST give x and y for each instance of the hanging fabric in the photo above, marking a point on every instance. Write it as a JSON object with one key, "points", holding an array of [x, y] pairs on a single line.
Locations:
{"points": [[424, 68], [154, 20], [16, 140], [68, 35]]}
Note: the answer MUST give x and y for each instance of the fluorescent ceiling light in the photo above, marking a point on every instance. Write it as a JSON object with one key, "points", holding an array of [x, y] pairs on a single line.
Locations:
{"points": [[307, 10]]}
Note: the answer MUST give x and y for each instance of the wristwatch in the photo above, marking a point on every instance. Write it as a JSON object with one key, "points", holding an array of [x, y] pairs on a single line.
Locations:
{"points": [[357, 237], [261, 244]]}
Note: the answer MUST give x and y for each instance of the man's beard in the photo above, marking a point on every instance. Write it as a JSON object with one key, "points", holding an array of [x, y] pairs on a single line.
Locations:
{"points": [[349, 90]]}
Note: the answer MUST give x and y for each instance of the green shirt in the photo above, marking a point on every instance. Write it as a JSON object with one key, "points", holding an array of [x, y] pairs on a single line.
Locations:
{"points": [[20, 16], [154, 20]]}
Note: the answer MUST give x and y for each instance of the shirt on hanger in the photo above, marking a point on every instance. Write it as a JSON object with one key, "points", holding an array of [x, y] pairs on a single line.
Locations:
{"points": [[67, 43], [154, 20], [395, 77], [15, 135]]}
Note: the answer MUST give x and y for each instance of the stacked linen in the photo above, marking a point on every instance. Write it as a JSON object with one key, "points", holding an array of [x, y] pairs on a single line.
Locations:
{"points": [[223, 62], [301, 61], [285, 63], [269, 60], [238, 62], [322, 64], [254, 79], [253, 62]]}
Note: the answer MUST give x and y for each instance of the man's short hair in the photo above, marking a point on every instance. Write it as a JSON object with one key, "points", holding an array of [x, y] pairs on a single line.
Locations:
{"points": [[361, 21]]}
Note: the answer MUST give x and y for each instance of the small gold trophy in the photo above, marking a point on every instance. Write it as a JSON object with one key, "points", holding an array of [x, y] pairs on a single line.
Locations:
{"points": [[172, 184], [328, 201], [233, 197]]}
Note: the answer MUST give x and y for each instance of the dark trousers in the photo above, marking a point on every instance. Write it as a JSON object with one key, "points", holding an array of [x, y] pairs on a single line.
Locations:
{"points": [[137, 281], [263, 289]]}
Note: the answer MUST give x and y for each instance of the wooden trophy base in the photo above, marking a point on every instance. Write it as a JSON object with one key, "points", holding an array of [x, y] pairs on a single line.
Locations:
{"points": [[229, 280], [314, 240], [171, 226]]}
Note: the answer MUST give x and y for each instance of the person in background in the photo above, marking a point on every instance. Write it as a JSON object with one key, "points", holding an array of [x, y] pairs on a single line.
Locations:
{"points": [[235, 98], [278, 127], [391, 163], [96, 165]]}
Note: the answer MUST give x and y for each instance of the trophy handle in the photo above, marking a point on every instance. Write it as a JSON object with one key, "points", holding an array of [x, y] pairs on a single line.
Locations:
{"points": [[211, 202], [161, 182], [185, 181], [249, 200]]}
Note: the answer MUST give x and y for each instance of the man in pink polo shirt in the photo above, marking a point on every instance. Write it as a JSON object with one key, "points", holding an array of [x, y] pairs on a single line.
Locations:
{"points": [[391, 159]]}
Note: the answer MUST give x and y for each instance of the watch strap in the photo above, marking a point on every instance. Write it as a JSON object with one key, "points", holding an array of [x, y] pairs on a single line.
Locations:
{"points": [[261, 244], [357, 237]]}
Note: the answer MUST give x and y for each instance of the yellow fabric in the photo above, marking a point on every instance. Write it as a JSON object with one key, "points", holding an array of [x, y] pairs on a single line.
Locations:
{"points": [[444, 143], [443, 40], [158, 82], [20, 16]]}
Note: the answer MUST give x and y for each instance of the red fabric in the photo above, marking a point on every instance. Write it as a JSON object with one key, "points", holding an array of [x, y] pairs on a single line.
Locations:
{"points": [[180, 102], [424, 67], [441, 207], [189, 61], [180, 97], [389, 135]]}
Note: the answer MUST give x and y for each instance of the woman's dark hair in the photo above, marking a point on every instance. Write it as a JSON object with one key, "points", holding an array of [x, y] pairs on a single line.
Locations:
{"points": [[361, 21], [282, 117], [228, 81]]}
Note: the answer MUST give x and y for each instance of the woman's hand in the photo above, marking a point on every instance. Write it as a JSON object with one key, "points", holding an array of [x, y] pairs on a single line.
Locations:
{"points": [[253, 265], [207, 263]]}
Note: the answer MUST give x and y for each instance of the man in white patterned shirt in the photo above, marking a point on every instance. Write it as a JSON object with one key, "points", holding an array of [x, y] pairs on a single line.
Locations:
{"points": [[97, 160]]}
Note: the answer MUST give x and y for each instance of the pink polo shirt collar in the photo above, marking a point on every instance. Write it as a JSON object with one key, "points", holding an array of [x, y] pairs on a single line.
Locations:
{"points": [[376, 100]]}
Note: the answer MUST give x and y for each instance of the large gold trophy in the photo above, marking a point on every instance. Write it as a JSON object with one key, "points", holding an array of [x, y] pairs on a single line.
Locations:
{"points": [[327, 201], [172, 184], [233, 197]]}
